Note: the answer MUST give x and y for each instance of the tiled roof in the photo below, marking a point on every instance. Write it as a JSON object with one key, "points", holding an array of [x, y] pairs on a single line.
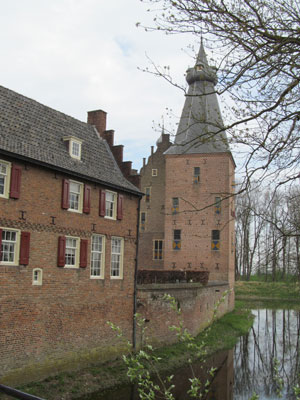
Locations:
{"points": [[35, 132], [201, 128]]}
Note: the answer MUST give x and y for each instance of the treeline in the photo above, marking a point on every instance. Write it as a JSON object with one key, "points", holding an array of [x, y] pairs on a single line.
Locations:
{"points": [[268, 234]]}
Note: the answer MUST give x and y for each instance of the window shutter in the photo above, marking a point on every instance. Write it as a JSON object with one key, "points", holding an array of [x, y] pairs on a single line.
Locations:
{"points": [[83, 253], [87, 199], [120, 207], [15, 181], [24, 248], [0, 244], [61, 255], [65, 194], [102, 203]]}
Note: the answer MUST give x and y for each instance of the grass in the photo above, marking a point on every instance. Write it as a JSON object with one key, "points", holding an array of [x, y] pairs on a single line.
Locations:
{"points": [[222, 335], [267, 290]]}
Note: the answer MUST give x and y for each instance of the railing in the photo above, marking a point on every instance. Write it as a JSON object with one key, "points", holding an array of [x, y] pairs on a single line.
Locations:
{"points": [[147, 276], [17, 394]]}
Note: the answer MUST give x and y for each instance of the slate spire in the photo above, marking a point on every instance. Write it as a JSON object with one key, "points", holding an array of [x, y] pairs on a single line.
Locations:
{"points": [[201, 128]]}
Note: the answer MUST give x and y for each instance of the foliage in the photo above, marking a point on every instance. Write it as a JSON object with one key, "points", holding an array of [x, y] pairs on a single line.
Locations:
{"points": [[142, 365], [256, 45]]}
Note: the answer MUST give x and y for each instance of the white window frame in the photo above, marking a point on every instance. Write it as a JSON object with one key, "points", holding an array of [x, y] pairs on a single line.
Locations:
{"points": [[121, 258], [80, 197], [73, 140], [7, 164], [16, 247], [37, 276], [102, 256], [154, 172], [114, 203], [76, 253]]}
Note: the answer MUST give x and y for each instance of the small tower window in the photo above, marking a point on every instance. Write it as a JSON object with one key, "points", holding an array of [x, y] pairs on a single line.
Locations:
{"points": [[218, 205], [215, 240], [196, 177], [175, 205], [148, 194], [143, 220], [176, 239], [157, 249], [154, 172], [37, 276]]}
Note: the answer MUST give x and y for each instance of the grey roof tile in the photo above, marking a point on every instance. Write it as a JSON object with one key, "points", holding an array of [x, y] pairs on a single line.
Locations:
{"points": [[33, 131]]}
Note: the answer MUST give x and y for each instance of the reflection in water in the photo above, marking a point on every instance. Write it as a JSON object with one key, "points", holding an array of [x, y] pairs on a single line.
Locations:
{"points": [[273, 337]]}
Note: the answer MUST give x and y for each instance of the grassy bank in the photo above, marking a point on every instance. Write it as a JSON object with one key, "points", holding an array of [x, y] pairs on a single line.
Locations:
{"points": [[223, 335], [285, 291]]}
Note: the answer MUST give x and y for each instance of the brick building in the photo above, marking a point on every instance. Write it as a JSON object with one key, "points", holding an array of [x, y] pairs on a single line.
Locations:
{"points": [[187, 215], [68, 225]]}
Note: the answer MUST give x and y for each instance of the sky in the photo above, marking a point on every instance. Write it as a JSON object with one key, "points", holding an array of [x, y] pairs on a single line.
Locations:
{"points": [[76, 56]]}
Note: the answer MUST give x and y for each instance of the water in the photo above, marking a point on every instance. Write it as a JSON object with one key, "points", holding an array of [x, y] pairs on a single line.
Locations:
{"points": [[249, 367]]}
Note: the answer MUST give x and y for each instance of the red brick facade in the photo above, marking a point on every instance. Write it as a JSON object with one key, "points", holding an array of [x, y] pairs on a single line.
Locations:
{"points": [[65, 317]]}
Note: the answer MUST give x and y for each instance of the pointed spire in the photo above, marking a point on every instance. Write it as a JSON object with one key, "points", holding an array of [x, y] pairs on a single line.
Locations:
{"points": [[201, 59], [200, 128]]}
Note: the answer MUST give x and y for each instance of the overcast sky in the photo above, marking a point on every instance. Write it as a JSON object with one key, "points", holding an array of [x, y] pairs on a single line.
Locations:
{"points": [[81, 55]]}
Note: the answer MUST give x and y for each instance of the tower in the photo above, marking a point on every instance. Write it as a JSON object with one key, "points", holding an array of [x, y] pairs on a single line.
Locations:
{"points": [[194, 204]]}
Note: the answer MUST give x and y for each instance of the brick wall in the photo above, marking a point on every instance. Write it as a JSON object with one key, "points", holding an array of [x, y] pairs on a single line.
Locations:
{"points": [[63, 321], [195, 301], [197, 217]]}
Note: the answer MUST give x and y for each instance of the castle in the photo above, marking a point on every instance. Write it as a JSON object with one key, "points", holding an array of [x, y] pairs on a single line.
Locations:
{"points": [[71, 217]]}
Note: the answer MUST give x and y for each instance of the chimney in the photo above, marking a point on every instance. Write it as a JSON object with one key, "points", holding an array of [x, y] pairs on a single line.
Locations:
{"points": [[98, 119]]}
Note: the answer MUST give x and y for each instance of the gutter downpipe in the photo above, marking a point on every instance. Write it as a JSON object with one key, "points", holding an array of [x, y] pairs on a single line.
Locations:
{"points": [[135, 277]]}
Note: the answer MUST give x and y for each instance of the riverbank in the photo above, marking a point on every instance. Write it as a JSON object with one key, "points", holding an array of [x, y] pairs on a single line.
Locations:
{"points": [[223, 335], [267, 291]]}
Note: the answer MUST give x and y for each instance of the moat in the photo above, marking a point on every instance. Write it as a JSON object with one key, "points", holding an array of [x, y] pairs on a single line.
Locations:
{"points": [[268, 354]]}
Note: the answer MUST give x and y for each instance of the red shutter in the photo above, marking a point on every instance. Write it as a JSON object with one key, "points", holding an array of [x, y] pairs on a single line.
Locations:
{"points": [[65, 194], [120, 207], [102, 203], [0, 244], [15, 181], [24, 248], [83, 253], [87, 199], [61, 254]]}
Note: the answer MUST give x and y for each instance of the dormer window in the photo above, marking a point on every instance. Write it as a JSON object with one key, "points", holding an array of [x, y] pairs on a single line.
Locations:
{"points": [[74, 147]]}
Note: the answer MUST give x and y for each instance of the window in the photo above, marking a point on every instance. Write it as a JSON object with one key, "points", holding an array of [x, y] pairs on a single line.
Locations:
{"points": [[157, 249], [10, 247], [116, 270], [110, 205], [175, 205], [215, 240], [154, 172], [97, 256], [143, 220], [74, 146], [176, 239], [75, 196], [72, 252], [4, 178], [37, 276], [10, 180], [218, 205], [148, 194], [196, 178]]}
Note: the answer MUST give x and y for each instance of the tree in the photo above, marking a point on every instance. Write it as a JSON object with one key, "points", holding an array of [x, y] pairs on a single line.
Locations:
{"points": [[257, 43]]}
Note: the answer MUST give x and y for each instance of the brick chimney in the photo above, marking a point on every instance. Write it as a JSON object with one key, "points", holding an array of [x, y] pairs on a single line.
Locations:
{"points": [[98, 119]]}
